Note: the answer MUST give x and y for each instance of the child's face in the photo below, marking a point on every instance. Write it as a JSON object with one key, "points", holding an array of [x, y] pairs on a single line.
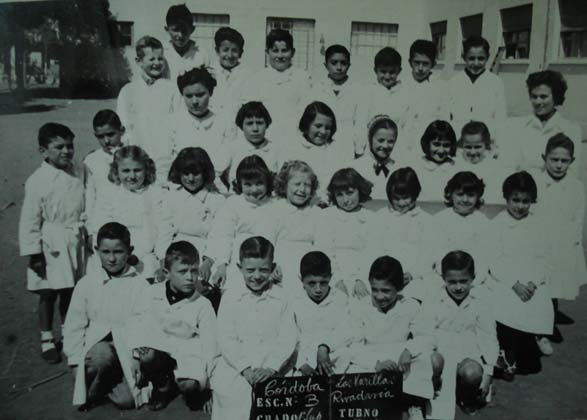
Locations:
{"points": [[299, 188], [109, 137], [192, 182], [153, 63], [131, 174], [256, 273], [254, 129], [387, 75], [382, 143], [383, 294], [59, 152], [347, 200], [557, 162], [320, 130], [229, 54], [518, 204], [473, 148], [402, 204], [113, 255], [337, 65], [440, 150], [280, 56], [316, 287], [458, 283], [254, 190], [179, 34], [182, 276], [463, 203], [542, 100], [197, 98], [421, 66], [475, 60]]}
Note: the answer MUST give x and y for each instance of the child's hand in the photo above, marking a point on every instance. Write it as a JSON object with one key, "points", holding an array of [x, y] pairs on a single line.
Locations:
{"points": [[522, 291], [405, 359], [342, 287], [306, 370], [219, 277], [360, 290], [248, 374], [386, 366], [323, 363], [276, 276], [206, 269], [262, 374], [38, 264], [484, 387], [532, 287]]}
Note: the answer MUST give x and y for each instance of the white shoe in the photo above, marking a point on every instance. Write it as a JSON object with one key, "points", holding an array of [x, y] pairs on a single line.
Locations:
{"points": [[544, 346], [415, 413]]}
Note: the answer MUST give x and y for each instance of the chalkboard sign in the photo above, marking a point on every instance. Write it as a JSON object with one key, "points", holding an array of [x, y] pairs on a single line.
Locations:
{"points": [[369, 396]]}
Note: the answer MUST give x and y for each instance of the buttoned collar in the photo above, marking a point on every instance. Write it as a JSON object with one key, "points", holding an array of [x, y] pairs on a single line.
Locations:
{"points": [[306, 144], [271, 292], [105, 277], [415, 212], [200, 195], [205, 122], [552, 124], [189, 52]]}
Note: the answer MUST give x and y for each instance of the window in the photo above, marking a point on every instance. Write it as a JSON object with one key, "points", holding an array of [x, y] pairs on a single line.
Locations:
{"points": [[302, 31], [121, 34], [573, 38], [206, 27], [517, 25], [471, 25], [438, 30], [368, 38]]}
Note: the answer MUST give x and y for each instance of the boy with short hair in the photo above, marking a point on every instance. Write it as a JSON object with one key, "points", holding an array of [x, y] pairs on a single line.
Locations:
{"points": [[146, 99], [50, 230], [458, 322], [476, 93], [173, 333], [323, 318], [94, 332], [184, 53], [256, 333], [280, 86]]}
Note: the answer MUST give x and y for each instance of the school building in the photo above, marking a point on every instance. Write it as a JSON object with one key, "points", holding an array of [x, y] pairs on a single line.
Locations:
{"points": [[525, 35]]}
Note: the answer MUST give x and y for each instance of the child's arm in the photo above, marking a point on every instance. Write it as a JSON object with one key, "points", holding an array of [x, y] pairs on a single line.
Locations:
{"points": [[486, 331], [221, 236], [31, 220], [228, 340], [286, 341], [166, 226], [76, 325], [500, 110], [208, 328]]}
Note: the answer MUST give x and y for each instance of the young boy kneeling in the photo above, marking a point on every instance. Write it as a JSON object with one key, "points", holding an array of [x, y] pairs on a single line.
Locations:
{"points": [[173, 335], [94, 331], [256, 333]]}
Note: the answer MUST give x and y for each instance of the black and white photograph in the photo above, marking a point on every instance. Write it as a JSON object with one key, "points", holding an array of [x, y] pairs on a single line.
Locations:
{"points": [[293, 210]]}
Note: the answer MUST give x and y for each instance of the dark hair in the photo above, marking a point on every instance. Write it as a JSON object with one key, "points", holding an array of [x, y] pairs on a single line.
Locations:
{"points": [[476, 127], [179, 14], [310, 113], [315, 263], [147, 42], [387, 57], [249, 168], [560, 140], [49, 131], [196, 75], [282, 178], [182, 251], [137, 154], [439, 129], [378, 122], [256, 247], [193, 160], [475, 41], [252, 109], [337, 49], [403, 182], [346, 178], [107, 117], [229, 34], [276, 35], [467, 182], [522, 182], [553, 79], [114, 230], [458, 260], [423, 46], [389, 269]]}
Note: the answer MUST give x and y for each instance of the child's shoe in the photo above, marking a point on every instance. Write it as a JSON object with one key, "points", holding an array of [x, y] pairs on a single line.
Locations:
{"points": [[49, 352], [505, 369], [415, 413], [544, 345]]}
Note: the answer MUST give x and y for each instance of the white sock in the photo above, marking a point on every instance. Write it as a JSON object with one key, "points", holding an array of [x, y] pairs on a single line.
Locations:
{"points": [[47, 340]]}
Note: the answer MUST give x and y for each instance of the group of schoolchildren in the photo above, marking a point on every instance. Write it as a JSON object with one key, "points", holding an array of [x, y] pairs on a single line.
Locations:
{"points": [[210, 245]]}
